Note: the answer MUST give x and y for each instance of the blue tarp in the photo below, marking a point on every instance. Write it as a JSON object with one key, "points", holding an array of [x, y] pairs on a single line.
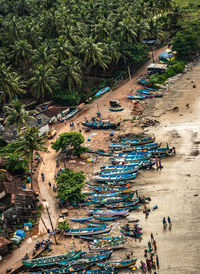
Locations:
{"points": [[166, 55], [20, 233]]}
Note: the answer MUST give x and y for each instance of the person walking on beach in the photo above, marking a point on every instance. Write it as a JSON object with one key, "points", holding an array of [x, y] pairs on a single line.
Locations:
{"points": [[154, 245], [169, 222], [157, 261], [157, 164], [160, 165], [42, 175], [164, 222], [49, 185], [152, 238], [149, 245]]}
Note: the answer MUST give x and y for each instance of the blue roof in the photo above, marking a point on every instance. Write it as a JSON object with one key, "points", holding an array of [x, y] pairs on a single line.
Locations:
{"points": [[166, 54]]}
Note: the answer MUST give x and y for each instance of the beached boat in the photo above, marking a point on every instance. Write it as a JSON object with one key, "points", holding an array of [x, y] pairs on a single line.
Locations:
{"points": [[87, 231], [92, 239], [119, 171], [106, 218], [100, 125], [146, 140], [108, 245], [102, 91], [117, 264], [106, 188], [51, 260], [81, 219], [73, 270], [94, 224], [117, 160], [112, 200], [138, 96], [118, 167], [143, 147], [119, 146], [110, 212], [116, 109], [150, 93], [124, 205], [133, 234], [105, 195], [144, 82], [70, 115], [119, 177]]}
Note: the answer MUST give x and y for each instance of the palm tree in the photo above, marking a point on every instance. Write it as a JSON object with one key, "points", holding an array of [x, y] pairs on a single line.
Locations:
{"points": [[42, 55], [31, 143], [17, 115], [21, 52], [126, 30], [62, 49], [70, 73], [42, 82], [10, 83], [92, 53]]}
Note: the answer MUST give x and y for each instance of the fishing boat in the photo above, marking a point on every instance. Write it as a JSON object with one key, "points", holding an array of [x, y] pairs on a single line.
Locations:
{"points": [[119, 171], [108, 245], [143, 147], [100, 125], [92, 239], [144, 82], [138, 96], [132, 154], [108, 270], [117, 160], [149, 93], [124, 205], [86, 261], [70, 115], [117, 264], [113, 200], [140, 141], [116, 109], [105, 188], [118, 167], [114, 183], [110, 212], [102, 91], [133, 234], [51, 260], [94, 224], [106, 218], [119, 177], [118, 146], [81, 219], [87, 231], [105, 195]]}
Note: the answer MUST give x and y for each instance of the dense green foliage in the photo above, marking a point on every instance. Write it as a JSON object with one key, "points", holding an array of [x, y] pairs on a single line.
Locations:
{"points": [[69, 142], [64, 225], [187, 41], [55, 47], [70, 184], [174, 68], [17, 115], [16, 165]]}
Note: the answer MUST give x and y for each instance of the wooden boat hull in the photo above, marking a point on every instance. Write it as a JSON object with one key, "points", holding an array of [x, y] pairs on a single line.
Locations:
{"points": [[120, 264], [92, 232]]}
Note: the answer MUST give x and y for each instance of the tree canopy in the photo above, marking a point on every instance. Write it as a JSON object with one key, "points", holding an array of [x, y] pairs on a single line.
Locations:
{"points": [[56, 46], [69, 142], [70, 184]]}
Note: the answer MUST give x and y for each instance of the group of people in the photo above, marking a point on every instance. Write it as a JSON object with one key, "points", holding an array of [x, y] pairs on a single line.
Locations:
{"points": [[151, 263], [165, 223], [54, 186], [44, 244]]}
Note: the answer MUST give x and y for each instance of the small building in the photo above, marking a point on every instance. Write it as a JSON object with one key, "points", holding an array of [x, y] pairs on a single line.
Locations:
{"points": [[4, 246], [156, 68]]}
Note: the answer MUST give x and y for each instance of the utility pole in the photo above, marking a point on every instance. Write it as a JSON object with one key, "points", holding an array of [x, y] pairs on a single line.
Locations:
{"points": [[98, 107], [129, 73], [51, 225], [152, 54]]}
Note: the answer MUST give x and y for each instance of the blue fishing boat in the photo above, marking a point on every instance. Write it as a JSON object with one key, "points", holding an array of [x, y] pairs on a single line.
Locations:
{"points": [[105, 195], [70, 115], [92, 239], [118, 160], [113, 200], [149, 93], [110, 212], [108, 245], [115, 188], [117, 264], [119, 146], [118, 167], [102, 91], [106, 218], [138, 96], [143, 147], [81, 219], [133, 234], [124, 205], [119, 177], [124, 170], [141, 141], [93, 224], [87, 231], [131, 153], [144, 82], [100, 125]]}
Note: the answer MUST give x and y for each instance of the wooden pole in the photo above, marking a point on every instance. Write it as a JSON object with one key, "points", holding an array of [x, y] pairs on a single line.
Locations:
{"points": [[51, 224], [129, 73]]}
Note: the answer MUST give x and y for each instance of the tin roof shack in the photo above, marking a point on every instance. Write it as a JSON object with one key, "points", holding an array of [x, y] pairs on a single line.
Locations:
{"points": [[156, 68], [4, 246], [19, 205]]}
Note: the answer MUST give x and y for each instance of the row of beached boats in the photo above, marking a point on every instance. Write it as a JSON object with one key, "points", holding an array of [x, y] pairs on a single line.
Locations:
{"points": [[110, 196]]}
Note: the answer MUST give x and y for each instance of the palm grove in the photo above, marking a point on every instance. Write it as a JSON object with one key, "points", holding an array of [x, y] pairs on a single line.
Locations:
{"points": [[55, 48]]}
